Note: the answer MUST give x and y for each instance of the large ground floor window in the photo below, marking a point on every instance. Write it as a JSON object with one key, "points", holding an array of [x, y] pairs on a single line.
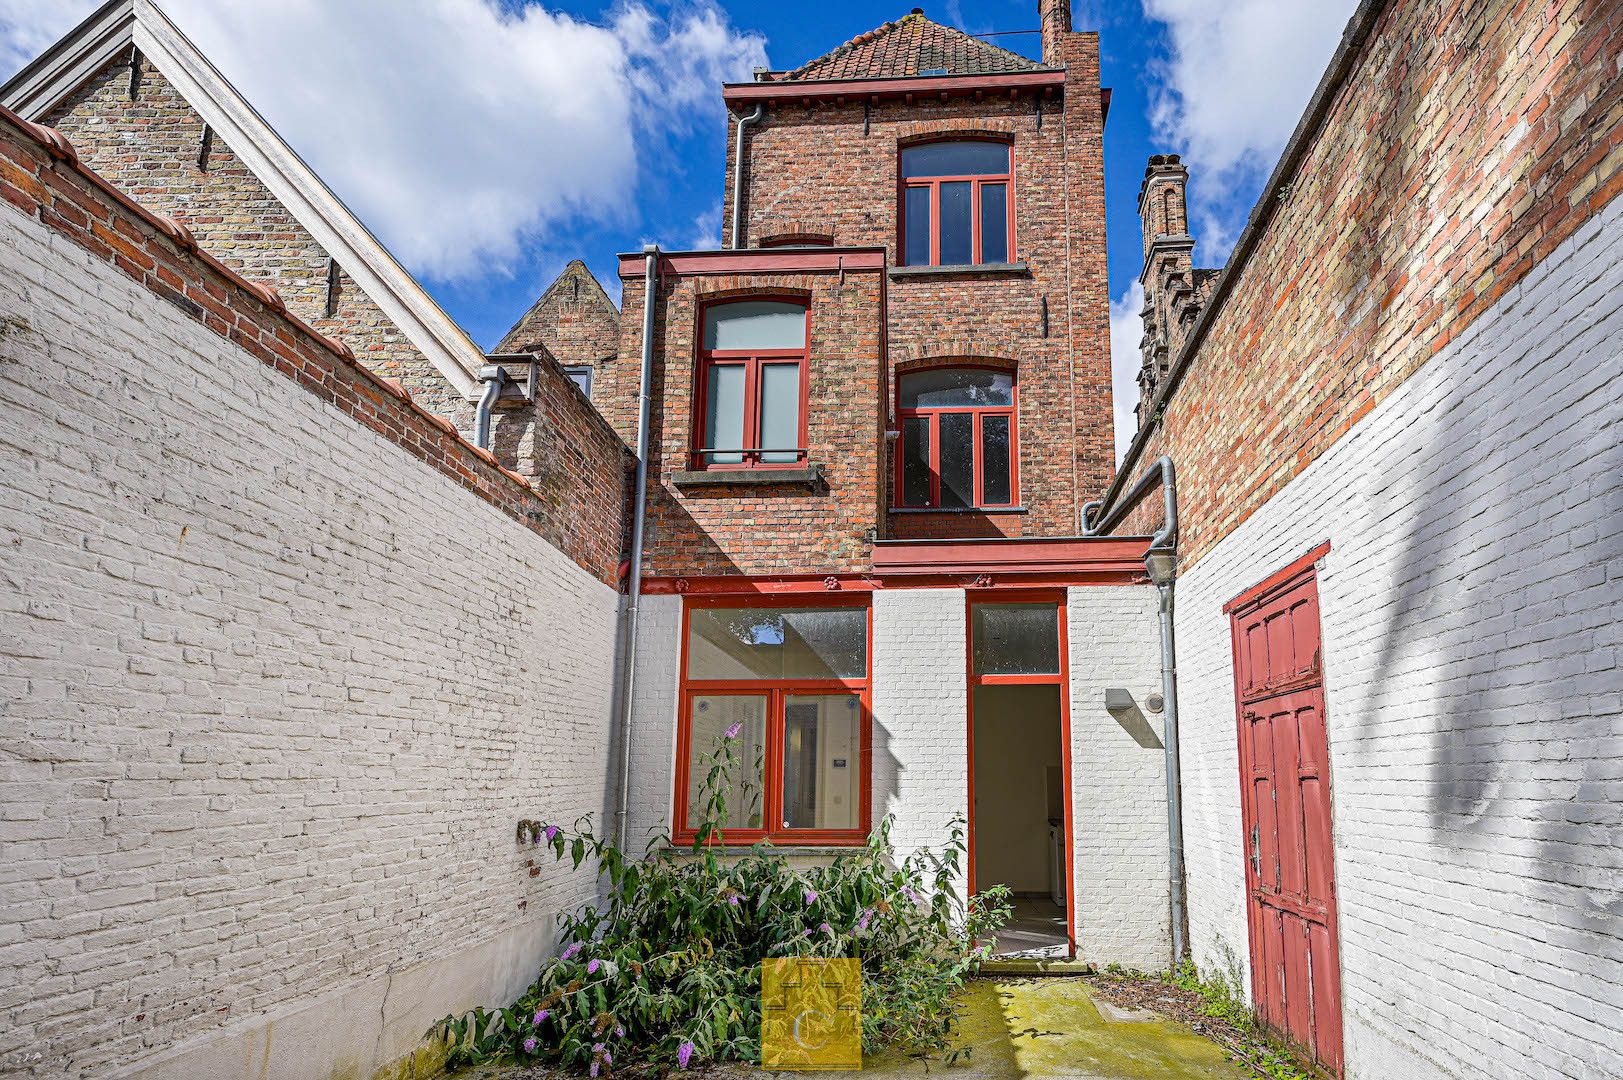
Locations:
{"points": [[786, 687]]}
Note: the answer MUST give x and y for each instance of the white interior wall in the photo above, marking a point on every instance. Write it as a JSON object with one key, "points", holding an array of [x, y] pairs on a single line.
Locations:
{"points": [[1017, 740]]}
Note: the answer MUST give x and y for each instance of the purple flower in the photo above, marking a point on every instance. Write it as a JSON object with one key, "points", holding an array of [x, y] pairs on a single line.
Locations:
{"points": [[735, 899], [732, 732], [540, 1015], [684, 1054], [529, 1045], [910, 894], [862, 923], [619, 1031], [571, 952], [591, 969], [552, 832], [811, 896], [825, 928], [807, 933], [594, 1068]]}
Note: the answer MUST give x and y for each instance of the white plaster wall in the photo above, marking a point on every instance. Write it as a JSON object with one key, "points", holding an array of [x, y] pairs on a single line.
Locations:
{"points": [[1118, 787], [921, 714], [274, 695], [1470, 612]]}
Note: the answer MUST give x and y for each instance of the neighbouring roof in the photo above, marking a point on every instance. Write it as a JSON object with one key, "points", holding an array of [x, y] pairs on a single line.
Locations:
{"points": [[575, 285], [911, 45], [110, 31]]}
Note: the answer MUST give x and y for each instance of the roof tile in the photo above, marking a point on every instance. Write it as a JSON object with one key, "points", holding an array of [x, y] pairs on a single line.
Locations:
{"points": [[911, 45]]}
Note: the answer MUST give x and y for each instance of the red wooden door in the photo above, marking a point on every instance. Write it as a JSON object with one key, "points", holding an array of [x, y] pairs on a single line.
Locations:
{"points": [[1285, 772]]}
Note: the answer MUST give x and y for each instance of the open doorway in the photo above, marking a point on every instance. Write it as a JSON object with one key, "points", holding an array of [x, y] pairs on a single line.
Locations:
{"points": [[1019, 771]]}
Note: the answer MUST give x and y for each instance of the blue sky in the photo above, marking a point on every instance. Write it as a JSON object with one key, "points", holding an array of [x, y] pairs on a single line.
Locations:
{"points": [[488, 142]]}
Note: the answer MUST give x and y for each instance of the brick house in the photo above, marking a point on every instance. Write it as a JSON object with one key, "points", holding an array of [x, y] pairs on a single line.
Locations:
{"points": [[875, 418], [293, 655]]}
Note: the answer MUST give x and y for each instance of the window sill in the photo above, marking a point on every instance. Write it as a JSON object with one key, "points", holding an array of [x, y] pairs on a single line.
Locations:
{"points": [[986, 511], [817, 848], [1015, 269], [808, 477]]}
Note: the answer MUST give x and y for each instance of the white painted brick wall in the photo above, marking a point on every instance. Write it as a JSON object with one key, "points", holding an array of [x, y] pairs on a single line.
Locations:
{"points": [[1470, 614], [1118, 788], [274, 694], [921, 714], [653, 741]]}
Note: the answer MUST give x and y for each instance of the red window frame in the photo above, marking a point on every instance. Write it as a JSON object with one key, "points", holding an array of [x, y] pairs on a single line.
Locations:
{"points": [[752, 360], [977, 181], [979, 412], [776, 692]]}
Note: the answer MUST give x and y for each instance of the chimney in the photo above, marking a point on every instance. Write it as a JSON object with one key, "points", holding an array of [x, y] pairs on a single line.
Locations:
{"points": [[1173, 291], [1055, 18]]}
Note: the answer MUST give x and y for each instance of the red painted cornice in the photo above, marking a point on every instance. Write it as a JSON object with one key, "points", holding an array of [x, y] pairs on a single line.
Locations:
{"points": [[1012, 82], [758, 261]]}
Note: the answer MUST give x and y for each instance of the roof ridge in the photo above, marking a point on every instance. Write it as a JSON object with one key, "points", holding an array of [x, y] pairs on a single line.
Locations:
{"points": [[841, 50]]}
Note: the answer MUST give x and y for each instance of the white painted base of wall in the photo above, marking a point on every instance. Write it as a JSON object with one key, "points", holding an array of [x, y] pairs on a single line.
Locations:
{"points": [[1470, 608]]}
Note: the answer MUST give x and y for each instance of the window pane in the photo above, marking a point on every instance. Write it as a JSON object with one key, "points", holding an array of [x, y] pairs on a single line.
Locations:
{"points": [[1015, 639], [724, 412], [581, 377], [916, 461], [995, 484], [975, 158], [918, 226], [955, 224], [713, 716], [755, 324], [822, 753], [957, 459], [780, 410], [994, 223], [941, 388], [778, 643]]}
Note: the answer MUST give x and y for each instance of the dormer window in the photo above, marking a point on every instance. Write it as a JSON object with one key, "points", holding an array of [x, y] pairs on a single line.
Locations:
{"points": [[957, 205], [752, 386]]}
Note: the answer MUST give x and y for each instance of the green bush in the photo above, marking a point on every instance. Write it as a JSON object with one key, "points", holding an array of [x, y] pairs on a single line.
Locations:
{"points": [[667, 971]]}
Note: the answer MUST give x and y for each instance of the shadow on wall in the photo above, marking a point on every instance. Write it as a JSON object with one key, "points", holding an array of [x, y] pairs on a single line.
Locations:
{"points": [[1503, 601]]}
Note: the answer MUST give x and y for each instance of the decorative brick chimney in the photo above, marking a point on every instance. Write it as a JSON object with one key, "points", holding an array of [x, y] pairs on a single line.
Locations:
{"points": [[1055, 19], [1174, 290]]}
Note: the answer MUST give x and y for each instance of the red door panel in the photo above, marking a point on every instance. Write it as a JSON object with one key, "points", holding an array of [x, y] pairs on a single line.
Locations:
{"points": [[1284, 763]]}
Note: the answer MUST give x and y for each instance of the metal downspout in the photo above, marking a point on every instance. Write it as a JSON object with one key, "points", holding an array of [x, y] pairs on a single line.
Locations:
{"points": [[494, 377], [1160, 562], [738, 173], [639, 514]]}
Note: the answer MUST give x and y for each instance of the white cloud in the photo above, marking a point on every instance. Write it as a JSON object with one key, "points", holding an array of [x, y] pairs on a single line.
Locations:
{"points": [[459, 131], [1126, 330], [706, 230], [1235, 81]]}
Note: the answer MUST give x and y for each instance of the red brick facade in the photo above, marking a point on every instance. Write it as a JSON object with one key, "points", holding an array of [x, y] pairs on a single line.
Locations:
{"points": [[822, 165], [1457, 151], [776, 524]]}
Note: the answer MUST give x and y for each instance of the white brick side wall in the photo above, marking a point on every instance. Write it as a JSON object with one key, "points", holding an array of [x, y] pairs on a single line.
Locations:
{"points": [[921, 714], [274, 694], [1470, 611], [1118, 787]]}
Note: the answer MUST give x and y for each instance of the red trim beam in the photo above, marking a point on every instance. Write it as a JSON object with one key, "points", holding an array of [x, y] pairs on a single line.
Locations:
{"points": [[756, 261], [1074, 555], [1011, 82]]}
